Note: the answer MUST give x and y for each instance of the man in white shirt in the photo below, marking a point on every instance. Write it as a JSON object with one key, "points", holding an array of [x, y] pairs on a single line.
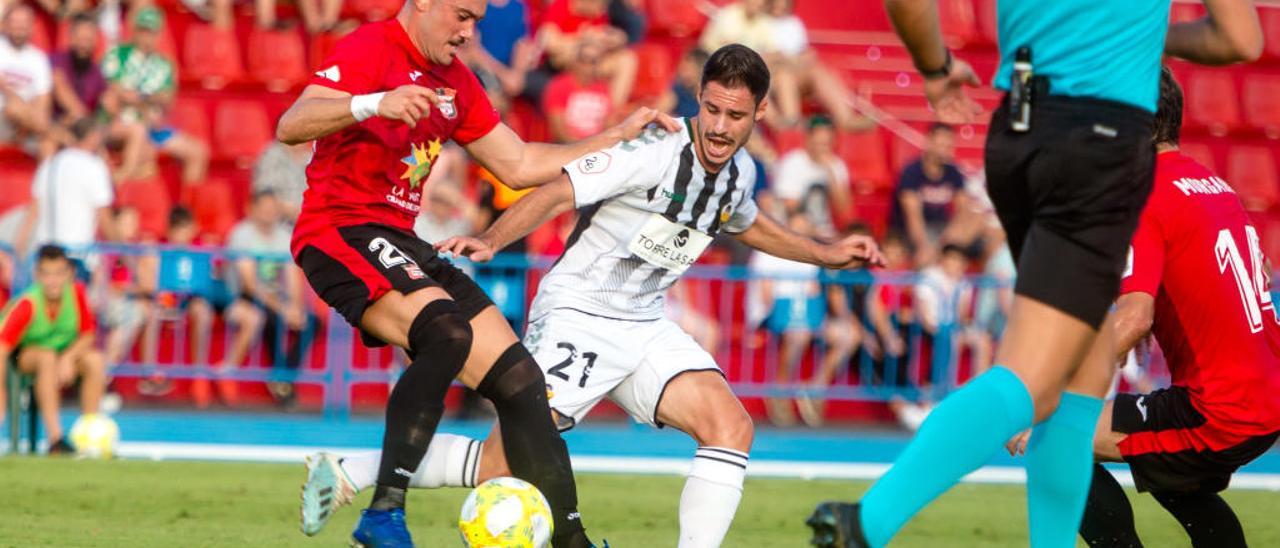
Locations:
{"points": [[26, 80], [70, 194], [811, 180]]}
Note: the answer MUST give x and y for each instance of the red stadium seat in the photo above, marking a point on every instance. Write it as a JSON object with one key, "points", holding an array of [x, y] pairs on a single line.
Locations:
{"points": [[277, 59], [984, 12], [212, 56], [151, 198], [371, 10], [787, 140], [40, 35], [213, 206], [675, 18], [321, 46], [1200, 152], [1270, 17], [190, 116], [959, 25], [867, 158], [1183, 12], [1262, 102], [654, 72], [16, 171], [241, 129], [1251, 171], [1212, 102]]}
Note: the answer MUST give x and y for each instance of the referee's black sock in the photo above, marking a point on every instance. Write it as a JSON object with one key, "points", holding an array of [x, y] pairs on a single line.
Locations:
{"points": [[1209, 520], [439, 340], [1108, 517], [534, 450]]}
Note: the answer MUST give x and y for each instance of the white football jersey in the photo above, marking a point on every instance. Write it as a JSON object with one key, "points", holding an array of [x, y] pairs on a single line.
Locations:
{"points": [[646, 211]]}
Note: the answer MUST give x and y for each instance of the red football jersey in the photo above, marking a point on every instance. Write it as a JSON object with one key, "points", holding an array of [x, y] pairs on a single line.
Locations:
{"points": [[373, 171], [1197, 254]]}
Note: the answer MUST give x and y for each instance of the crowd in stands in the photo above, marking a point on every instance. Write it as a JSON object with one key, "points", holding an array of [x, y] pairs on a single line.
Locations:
{"points": [[97, 113]]}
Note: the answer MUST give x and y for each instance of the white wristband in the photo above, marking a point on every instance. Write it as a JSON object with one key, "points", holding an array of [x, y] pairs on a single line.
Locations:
{"points": [[364, 107]]}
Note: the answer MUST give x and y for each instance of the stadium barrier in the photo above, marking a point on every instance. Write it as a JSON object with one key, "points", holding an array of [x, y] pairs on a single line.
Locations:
{"points": [[724, 306]]}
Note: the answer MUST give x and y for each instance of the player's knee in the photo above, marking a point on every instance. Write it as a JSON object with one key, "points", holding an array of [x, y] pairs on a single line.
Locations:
{"points": [[493, 464], [734, 430], [514, 379], [441, 333]]}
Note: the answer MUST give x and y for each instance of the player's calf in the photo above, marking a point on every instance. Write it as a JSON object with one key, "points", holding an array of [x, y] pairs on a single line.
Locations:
{"points": [[532, 443]]}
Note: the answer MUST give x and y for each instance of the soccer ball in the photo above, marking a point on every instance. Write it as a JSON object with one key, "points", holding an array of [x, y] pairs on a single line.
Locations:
{"points": [[505, 513], [95, 435]]}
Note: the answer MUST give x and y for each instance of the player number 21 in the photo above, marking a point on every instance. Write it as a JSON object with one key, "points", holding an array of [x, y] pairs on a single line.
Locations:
{"points": [[1255, 287]]}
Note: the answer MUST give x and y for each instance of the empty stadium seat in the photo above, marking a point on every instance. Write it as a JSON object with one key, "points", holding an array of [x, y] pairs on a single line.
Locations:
{"points": [[150, 197], [277, 59], [654, 72], [1251, 171], [984, 12], [1270, 17], [867, 158], [958, 22], [190, 116], [1262, 103], [241, 129], [214, 208], [16, 170], [1200, 152], [1212, 103], [676, 18], [320, 47], [211, 56], [40, 35], [787, 140]]}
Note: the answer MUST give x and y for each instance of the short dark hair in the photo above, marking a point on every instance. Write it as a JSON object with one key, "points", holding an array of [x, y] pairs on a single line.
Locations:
{"points": [[955, 248], [179, 216], [940, 126], [819, 121], [83, 18], [1168, 124], [258, 195], [82, 128], [51, 252], [738, 65], [697, 56]]}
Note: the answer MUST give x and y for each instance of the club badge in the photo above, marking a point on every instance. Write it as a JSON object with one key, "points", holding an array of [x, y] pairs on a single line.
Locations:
{"points": [[446, 104]]}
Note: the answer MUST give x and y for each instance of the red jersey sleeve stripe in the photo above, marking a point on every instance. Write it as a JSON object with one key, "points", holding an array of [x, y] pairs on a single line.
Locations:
{"points": [[16, 322]]}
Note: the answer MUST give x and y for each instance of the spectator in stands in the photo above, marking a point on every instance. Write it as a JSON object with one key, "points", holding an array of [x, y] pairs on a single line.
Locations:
{"points": [[796, 306], [813, 181], [266, 277], [446, 212], [282, 170], [890, 314], [577, 103], [929, 191], [64, 9], [78, 83], [126, 287], [745, 22], [26, 83], [142, 87], [504, 55], [50, 326], [682, 99], [942, 298], [71, 194], [797, 70], [566, 23], [843, 333]]}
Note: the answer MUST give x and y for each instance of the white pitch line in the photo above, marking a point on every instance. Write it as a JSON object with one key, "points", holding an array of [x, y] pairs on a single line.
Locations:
{"points": [[808, 470]]}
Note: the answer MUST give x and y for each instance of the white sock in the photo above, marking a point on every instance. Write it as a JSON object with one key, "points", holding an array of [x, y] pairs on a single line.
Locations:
{"points": [[451, 461], [711, 496]]}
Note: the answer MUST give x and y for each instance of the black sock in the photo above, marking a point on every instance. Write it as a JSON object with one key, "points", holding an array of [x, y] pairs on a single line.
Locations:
{"points": [[534, 450], [1108, 516], [441, 340], [1209, 520]]}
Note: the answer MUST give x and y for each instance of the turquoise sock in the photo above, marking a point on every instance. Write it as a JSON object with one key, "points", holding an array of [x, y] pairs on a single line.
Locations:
{"points": [[961, 434], [1059, 471]]}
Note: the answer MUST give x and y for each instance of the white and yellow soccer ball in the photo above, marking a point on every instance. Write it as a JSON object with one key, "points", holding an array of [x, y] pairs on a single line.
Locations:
{"points": [[95, 436], [505, 513]]}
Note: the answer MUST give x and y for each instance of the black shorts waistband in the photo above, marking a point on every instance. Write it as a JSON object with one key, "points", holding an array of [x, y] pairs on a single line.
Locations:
{"points": [[1066, 106]]}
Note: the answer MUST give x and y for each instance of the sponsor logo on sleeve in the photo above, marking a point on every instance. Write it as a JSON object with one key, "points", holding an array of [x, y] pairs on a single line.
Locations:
{"points": [[331, 73], [595, 162]]}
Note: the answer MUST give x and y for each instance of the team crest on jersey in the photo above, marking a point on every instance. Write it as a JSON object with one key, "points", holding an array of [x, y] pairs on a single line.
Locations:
{"points": [[594, 163], [419, 162], [446, 105], [725, 213]]}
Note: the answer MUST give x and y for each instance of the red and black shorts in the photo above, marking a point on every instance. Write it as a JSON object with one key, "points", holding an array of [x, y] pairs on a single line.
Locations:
{"points": [[1170, 446], [350, 267]]}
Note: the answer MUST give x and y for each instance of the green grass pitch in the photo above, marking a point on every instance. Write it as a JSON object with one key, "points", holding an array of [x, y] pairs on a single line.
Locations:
{"points": [[70, 503]]}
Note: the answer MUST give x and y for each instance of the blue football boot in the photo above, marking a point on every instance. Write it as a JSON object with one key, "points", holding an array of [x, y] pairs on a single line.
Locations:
{"points": [[381, 529]]}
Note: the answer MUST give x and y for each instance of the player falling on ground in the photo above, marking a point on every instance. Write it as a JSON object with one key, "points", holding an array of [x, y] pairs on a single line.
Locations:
{"points": [[1197, 279], [647, 208], [379, 109]]}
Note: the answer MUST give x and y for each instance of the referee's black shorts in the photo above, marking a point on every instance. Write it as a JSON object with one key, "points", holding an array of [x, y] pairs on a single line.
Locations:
{"points": [[350, 267], [1069, 193]]}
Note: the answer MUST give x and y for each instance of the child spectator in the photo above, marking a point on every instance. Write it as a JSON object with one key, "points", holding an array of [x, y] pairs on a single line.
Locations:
{"points": [[843, 333], [682, 99], [125, 287]]}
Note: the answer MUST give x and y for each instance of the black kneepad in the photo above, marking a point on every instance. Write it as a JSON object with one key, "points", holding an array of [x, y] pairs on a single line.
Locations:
{"points": [[441, 335], [514, 372]]}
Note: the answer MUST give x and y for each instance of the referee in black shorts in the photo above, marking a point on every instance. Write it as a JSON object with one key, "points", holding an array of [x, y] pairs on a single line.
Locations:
{"points": [[1069, 163]]}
